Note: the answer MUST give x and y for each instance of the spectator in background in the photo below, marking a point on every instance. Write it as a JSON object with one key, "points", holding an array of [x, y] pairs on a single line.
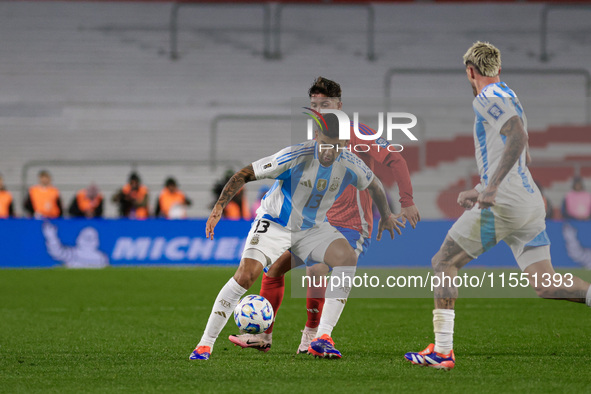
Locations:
{"points": [[133, 199], [172, 202], [577, 202], [6, 205], [547, 202], [262, 191], [88, 203], [43, 200], [237, 208]]}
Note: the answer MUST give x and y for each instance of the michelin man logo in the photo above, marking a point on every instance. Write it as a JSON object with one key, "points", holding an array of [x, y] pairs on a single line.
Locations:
{"points": [[575, 250], [85, 254]]}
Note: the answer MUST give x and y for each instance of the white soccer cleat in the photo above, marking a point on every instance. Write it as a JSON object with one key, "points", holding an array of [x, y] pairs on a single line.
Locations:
{"points": [[260, 342], [308, 334]]}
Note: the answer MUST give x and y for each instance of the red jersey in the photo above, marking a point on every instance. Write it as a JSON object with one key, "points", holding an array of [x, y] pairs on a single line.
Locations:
{"points": [[353, 209]]}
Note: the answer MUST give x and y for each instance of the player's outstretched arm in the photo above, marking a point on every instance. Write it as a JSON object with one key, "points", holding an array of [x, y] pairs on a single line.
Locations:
{"points": [[388, 221], [514, 145], [400, 172], [232, 187]]}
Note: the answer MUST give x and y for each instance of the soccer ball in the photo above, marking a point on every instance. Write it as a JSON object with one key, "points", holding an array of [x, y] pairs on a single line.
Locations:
{"points": [[253, 314]]}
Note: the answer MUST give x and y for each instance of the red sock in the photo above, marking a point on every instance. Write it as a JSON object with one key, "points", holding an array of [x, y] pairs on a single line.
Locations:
{"points": [[314, 305], [272, 289]]}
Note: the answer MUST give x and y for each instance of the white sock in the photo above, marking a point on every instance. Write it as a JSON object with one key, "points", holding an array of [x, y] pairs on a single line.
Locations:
{"points": [[223, 308], [308, 329], [336, 298], [443, 326], [588, 297]]}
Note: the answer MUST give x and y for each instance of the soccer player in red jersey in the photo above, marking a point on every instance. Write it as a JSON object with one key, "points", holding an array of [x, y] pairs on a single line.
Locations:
{"points": [[351, 214]]}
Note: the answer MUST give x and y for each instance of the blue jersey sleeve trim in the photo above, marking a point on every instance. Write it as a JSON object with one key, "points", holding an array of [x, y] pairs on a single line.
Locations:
{"points": [[364, 129], [294, 155]]}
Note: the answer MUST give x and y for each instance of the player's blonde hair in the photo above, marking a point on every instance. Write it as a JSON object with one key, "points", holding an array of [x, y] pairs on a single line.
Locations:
{"points": [[485, 57]]}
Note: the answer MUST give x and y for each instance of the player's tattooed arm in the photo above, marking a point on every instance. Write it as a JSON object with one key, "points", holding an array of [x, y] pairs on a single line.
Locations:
{"points": [[516, 140], [515, 143], [235, 184], [232, 187], [388, 221]]}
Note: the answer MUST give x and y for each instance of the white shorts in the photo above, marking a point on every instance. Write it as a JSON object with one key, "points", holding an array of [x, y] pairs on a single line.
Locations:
{"points": [[267, 241], [522, 228]]}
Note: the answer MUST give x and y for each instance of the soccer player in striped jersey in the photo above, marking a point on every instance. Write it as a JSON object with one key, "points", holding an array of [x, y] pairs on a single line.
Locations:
{"points": [[351, 214], [309, 178], [506, 205]]}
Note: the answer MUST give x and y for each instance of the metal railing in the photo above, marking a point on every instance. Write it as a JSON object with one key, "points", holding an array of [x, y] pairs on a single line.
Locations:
{"points": [[523, 71], [214, 127], [544, 24], [213, 130], [174, 17], [271, 28], [370, 50]]}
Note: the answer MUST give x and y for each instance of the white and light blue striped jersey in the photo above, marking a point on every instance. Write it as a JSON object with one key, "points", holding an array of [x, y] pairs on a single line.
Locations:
{"points": [[304, 189], [493, 107]]}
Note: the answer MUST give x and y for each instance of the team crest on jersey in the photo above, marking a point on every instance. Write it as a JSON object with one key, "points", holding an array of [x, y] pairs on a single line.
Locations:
{"points": [[334, 185], [321, 184], [495, 111], [254, 240]]}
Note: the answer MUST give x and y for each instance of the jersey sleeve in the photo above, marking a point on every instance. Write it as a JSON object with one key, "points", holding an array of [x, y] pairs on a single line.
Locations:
{"points": [[393, 160], [379, 148], [362, 175], [398, 166], [279, 164], [495, 110]]}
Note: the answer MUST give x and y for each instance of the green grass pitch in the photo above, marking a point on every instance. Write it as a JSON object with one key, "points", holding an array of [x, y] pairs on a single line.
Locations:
{"points": [[132, 330]]}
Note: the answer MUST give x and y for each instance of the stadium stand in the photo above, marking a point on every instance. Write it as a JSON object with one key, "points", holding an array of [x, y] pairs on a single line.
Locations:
{"points": [[92, 81]]}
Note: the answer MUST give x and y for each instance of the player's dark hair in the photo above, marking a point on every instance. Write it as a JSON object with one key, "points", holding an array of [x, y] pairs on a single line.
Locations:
{"points": [[326, 87], [578, 179], [134, 177], [331, 130], [170, 182], [43, 173]]}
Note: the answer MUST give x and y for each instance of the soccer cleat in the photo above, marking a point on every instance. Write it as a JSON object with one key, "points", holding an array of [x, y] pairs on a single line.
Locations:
{"points": [[323, 347], [430, 358], [201, 353], [260, 342], [308, 334]]}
